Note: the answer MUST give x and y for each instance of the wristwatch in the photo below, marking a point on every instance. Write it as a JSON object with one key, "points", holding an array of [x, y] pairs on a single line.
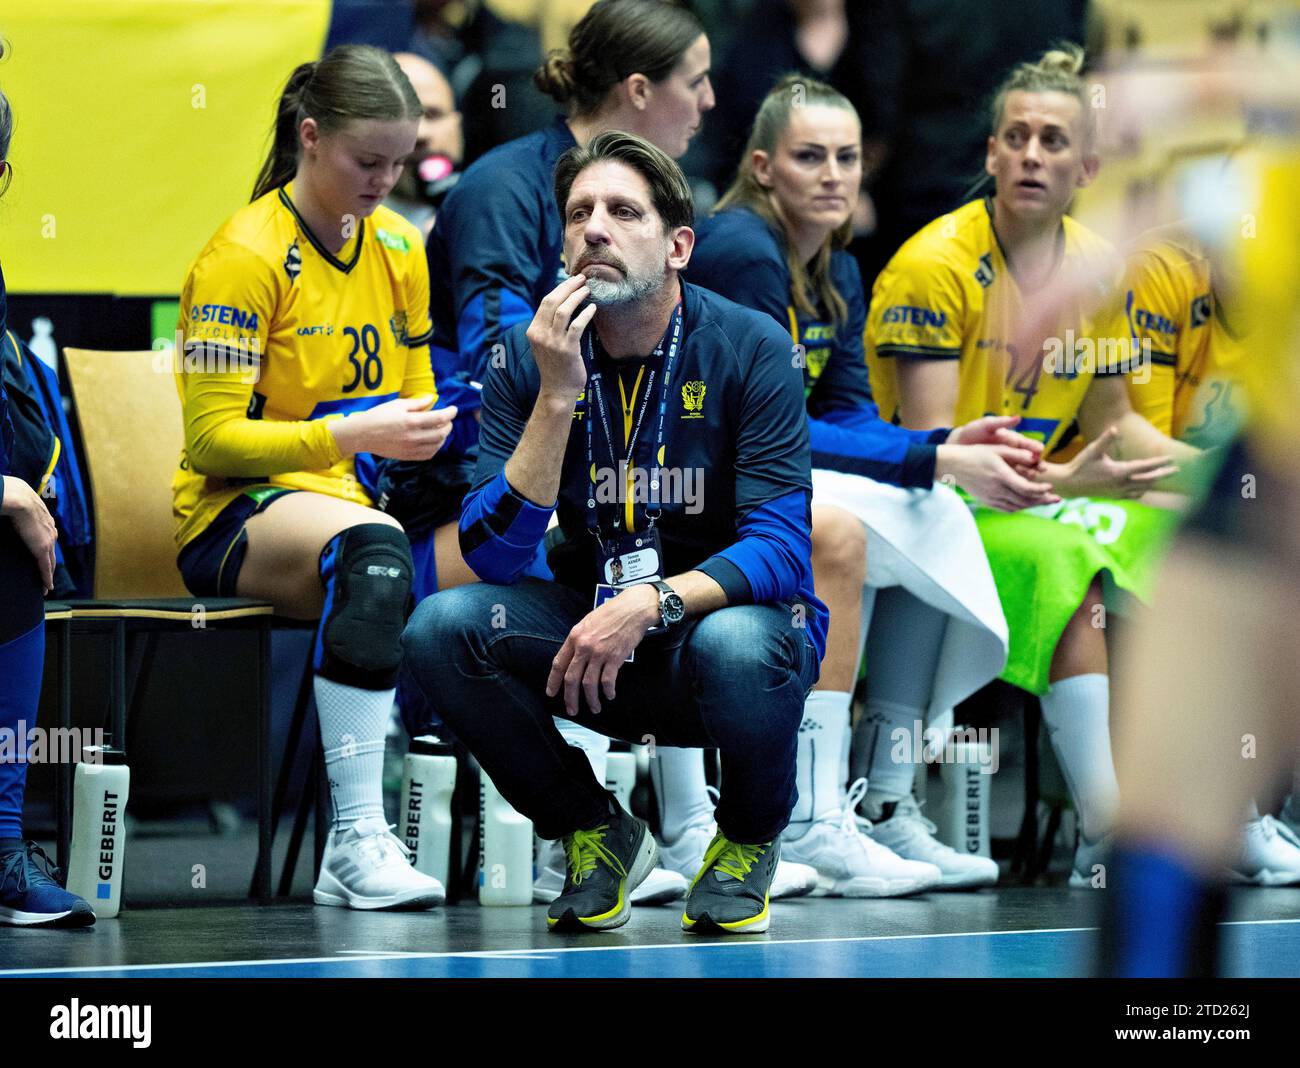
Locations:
{"points": [[671, 608]]}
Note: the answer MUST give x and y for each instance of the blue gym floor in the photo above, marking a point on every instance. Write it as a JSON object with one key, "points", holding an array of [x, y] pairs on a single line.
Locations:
{"points": [[1012, 932]]}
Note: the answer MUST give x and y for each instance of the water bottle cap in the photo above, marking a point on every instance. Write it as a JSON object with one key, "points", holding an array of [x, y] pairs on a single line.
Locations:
{"points": [[430, 745], [103, 754]]}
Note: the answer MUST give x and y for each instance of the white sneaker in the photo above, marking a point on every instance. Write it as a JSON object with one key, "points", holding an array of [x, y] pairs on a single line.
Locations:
{"points": [[368, 867], [1270, 854], [1087, 857], [850, 863], [911, 836], [658, 888], [1290, 814], [686, 858]]}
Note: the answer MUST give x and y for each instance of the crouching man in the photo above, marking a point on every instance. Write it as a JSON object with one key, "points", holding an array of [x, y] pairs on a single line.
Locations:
{"points": [[666, 425]]}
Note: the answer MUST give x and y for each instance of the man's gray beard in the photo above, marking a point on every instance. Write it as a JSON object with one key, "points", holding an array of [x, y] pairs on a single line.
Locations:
{"points": [[605, 293]]}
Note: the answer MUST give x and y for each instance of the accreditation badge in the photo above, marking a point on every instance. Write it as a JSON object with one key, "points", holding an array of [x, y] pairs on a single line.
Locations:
{"points": [[629, 559]]}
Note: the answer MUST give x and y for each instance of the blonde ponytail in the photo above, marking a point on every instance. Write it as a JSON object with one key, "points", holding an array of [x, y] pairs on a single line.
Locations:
{"points": [[1059, 70]]}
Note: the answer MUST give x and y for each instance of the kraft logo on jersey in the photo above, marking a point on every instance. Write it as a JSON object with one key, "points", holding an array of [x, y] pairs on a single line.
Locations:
{"points": [[394, 241], [225, 314], [914, 316]]}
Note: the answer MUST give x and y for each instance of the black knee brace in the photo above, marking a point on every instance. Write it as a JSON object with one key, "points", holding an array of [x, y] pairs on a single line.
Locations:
{"points": [[367, 572]]}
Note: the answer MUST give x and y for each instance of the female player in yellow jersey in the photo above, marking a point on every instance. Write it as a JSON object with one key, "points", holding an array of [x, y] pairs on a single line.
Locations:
{"points": [[306, 331], [955, 332]]}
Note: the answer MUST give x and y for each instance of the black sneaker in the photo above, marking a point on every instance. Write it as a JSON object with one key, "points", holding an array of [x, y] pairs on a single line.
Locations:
{"points": [[730, 893], [604, 865]]}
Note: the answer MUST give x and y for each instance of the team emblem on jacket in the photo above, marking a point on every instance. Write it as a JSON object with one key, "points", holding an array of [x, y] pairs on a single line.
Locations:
{"points": [[693, 400]]}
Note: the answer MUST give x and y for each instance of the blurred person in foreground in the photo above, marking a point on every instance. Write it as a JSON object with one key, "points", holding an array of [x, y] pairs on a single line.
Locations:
{"points": [[1209, 686]]}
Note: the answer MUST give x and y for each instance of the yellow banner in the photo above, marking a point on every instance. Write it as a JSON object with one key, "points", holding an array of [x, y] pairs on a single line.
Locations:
{"points": [[139, 127]]}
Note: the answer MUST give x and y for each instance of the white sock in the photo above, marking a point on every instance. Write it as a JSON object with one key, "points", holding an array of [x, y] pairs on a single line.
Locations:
{"points": [[596, 746], [1077, 714], [821, 737], [864, 625], [885, 760], [680, 789], [353, 724]]}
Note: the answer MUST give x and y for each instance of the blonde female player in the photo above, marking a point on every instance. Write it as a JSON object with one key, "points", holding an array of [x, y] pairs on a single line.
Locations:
{"points": [[955, 332], [884, 533], [306, 332]]}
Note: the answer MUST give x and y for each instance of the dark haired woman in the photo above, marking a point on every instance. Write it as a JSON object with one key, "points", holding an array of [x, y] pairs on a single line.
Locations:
{"points": [[497, 249], [880, 523], [306, 356]]}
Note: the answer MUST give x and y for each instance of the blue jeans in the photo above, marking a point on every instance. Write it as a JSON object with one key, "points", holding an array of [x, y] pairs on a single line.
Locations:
{"points": [[735, 679]]}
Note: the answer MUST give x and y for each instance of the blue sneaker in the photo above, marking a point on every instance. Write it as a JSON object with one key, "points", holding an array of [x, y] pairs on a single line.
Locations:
{"points": [[30, 895]]}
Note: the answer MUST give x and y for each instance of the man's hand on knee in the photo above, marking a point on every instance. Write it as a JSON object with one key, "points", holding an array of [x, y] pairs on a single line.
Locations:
{"points": [[600, 644]]}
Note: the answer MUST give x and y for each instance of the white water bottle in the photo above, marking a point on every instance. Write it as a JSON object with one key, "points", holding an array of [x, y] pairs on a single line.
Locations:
{"points": [[99, 789], [505, 859], [963, 814], [42, 342], [424, 820], [620, 776]]}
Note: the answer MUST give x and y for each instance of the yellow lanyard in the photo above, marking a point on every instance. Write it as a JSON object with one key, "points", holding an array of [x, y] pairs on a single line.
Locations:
{"points": [[628, 405]]}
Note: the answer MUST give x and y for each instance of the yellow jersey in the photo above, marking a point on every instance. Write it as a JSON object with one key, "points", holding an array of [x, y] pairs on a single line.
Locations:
{"points": [[279, 336], [1267, 261], [948, 294], [1173, 315]]}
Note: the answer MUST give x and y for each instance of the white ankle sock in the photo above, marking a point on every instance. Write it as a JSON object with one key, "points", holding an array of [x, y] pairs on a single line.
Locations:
{"points": [[680, 789], [821, 739], [885, 760], [1077, 714], [353, 724]]}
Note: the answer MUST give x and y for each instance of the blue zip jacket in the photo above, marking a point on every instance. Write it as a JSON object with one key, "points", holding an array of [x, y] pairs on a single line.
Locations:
{"points": [[736, 434]]}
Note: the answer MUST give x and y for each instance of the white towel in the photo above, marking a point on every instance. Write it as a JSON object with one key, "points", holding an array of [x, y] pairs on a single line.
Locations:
{"points": [[925, 540]]}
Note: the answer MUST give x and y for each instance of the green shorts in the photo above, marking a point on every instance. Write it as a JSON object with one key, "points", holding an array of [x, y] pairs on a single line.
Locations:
{"points": [[1044, 559]]}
